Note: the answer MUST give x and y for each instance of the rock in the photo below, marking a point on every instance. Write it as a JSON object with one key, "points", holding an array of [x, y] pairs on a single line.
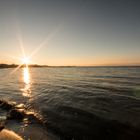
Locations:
{"points": [[5, 105], [15, 114], [9, 135], [1, 127]]}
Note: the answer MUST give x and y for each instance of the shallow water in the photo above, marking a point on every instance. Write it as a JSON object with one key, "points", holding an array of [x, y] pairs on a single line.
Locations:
{"points": [[68, 99]]}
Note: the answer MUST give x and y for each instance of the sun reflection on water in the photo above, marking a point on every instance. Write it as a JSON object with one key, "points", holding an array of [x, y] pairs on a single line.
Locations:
{"points": [[26, 75], [27, 82]]}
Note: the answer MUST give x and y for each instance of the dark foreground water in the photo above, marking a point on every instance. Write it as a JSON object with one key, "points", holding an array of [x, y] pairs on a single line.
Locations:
{"points": [[79, 103]]}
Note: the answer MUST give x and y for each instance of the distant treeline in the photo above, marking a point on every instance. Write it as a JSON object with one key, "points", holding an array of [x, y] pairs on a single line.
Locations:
{"points": [[8, 65], [37, 66], [16, 65]]}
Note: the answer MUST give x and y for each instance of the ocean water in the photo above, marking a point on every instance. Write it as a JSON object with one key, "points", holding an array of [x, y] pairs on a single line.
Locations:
{"points": [[76, 102]]}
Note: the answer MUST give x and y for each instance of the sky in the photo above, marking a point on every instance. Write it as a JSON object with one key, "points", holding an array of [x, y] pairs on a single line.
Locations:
{"points": [[70, 32]]}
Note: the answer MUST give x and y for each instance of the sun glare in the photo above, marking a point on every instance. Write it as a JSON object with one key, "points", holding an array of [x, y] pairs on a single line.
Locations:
{"points": [[25, 60], [26, 79], [26, 75]]}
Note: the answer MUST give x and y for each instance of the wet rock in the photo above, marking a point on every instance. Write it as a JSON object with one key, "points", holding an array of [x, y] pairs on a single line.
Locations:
{"points": [[15, 114], [20, 106], [6, 134], [1, 127], [5, 105]]}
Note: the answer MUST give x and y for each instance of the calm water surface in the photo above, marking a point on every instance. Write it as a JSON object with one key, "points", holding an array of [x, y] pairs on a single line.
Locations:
{"points": [[59, 94]]}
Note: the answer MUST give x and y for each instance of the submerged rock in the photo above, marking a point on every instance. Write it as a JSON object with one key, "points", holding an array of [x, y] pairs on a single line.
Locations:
{"points": [[15, 114], [5, 105], [1, 127]]}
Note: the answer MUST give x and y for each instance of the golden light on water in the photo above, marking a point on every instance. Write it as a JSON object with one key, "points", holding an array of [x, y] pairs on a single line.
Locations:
{"points": [[26, 75], [26, 60], [27, 82]]}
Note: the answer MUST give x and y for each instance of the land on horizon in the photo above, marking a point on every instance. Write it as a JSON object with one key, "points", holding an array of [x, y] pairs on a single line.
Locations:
{"points": [[4, 65], [23, 65]]}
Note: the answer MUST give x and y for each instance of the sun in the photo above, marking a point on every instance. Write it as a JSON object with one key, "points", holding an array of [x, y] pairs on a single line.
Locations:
{"points": [[25, 60]]}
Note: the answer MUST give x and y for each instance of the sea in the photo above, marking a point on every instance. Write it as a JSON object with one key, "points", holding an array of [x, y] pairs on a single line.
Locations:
{"points": [[72, 103]]}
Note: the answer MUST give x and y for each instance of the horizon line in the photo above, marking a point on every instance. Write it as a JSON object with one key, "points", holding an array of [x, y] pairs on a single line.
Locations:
{"points": [[113, 65]]}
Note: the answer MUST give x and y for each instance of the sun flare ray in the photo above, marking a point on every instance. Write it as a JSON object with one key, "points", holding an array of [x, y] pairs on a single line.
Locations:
{"points": [[16, 69], [20, 40], [44, 42], [25, 60]]}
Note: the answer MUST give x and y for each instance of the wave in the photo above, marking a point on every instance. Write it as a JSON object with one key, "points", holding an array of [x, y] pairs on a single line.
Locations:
{"points": [[74, 123], [81, 121]]}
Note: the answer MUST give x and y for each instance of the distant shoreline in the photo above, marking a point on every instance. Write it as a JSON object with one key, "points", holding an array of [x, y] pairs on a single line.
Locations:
{"points": [[2, 66], [16, 65]]}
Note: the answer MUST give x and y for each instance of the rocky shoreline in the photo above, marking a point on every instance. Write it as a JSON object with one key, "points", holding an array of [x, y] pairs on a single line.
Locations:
{"points": [[81, 126]]}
